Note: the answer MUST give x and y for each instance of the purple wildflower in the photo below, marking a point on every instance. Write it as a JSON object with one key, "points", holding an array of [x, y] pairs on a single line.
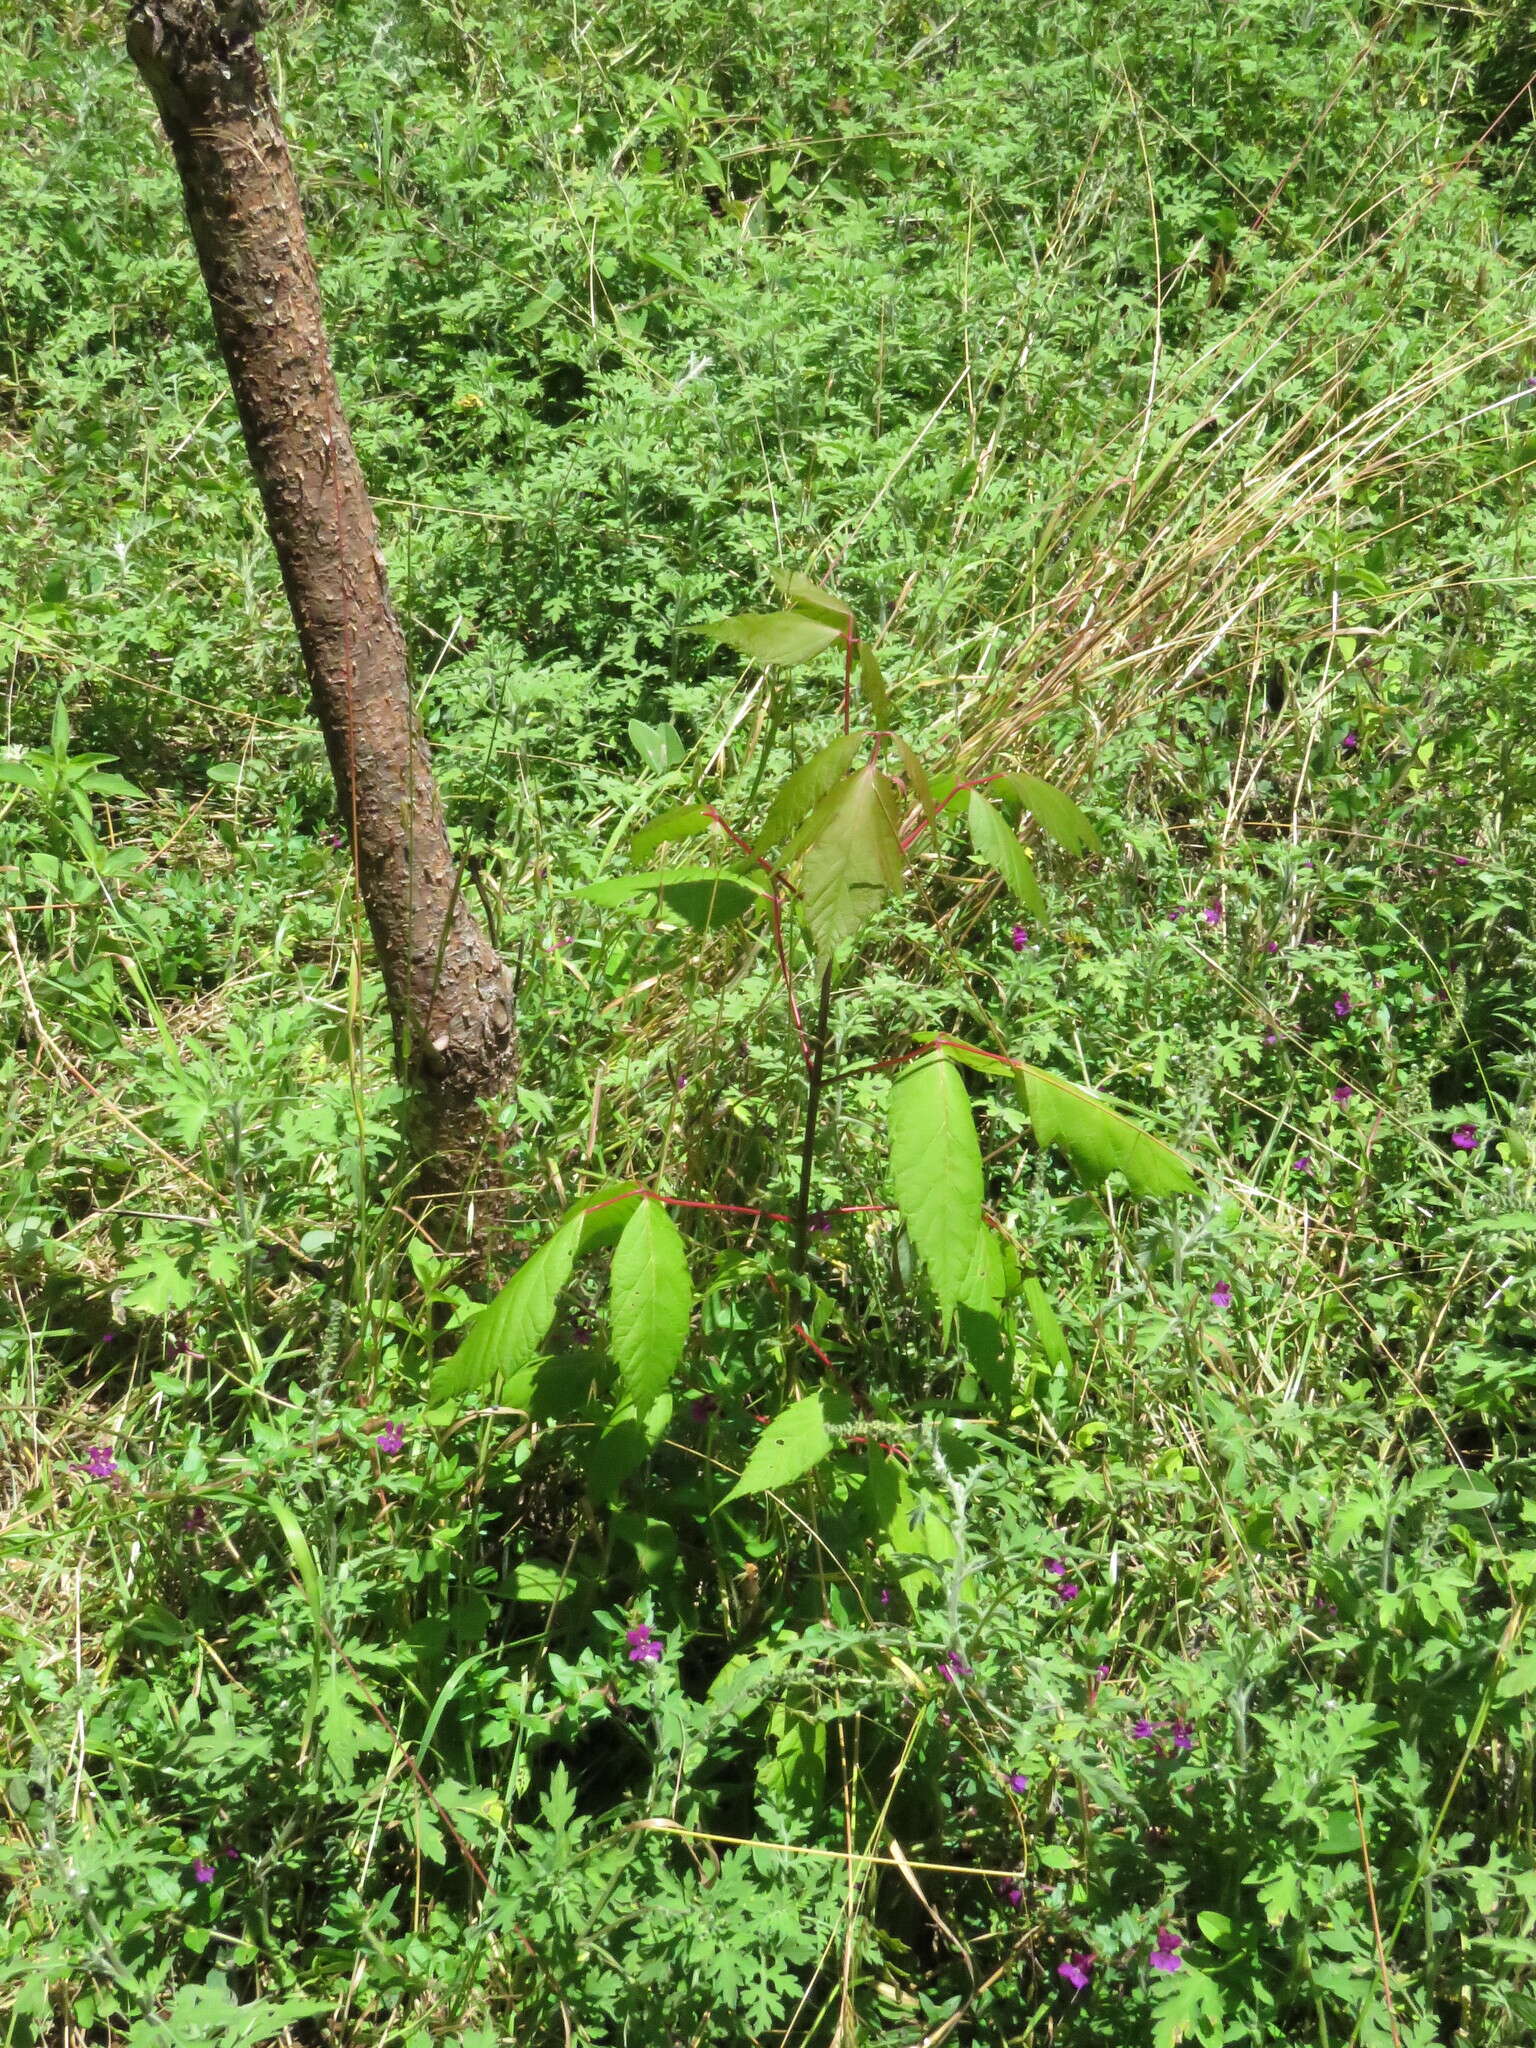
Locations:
{"points": [[1102, 1671], [1017, 1782], [1075, 1969], [1166, 1955], [1011, 1891], [885, 1596], [1183, 1736], [645, 1646], [202, 1873], [1464, 1137], [1350, 741], [391, 1439], [1342, 1006], [1302, 1163], [1212, 913], [1144, 1730], [197, 1520], [1055, 1567], [954, 1667], [1343, 1093], [1177, 911], [1462, 860], [100, 1463], [1273, 946], [1067, 1591], [1271, 1038], [1221, 1294], [701, 1407], [1019, 937]]}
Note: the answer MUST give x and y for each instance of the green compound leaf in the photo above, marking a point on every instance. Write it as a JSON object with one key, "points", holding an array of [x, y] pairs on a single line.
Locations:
{"points": [[1048, 1331], [936, 1175], [804, 789], [797, 1439], [775, 639], [650, 1302], [1054, 812], [853, 857], [507, 1334], [996, 845], [1098, 1139]]}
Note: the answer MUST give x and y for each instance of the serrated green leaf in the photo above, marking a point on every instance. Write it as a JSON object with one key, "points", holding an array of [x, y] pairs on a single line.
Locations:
{"points": [[659, 746], [936, 1173], [1052, 810], [812, 598], [775, 639], [796, 1440], [1518, 1678], [508, 1332], [873, 683], [1098, 1139], [649, 1304], [853, 857], [683, 821], [996, 845], [804, 789], [702, 897], [917, 777]]}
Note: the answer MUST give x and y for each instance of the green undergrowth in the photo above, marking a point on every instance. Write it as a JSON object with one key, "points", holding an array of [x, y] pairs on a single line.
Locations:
{"points": [[985, 1576]]}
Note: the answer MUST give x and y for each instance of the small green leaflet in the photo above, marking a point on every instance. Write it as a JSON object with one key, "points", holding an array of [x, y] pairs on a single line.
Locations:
{"points": [[683, 821], [812, 599], [1053, 812], [775, 639], [658, 746], [507, 1334], [996, 845], [917, 778], [703, 897], [936, 1174], [1097, 1138], [649, 1304], [805, 788], [1048, 1330], [853, 857], [795, 1440]]}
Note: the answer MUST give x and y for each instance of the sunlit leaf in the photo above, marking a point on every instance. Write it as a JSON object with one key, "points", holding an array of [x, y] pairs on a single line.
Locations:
{"points": [[853, 857], [812, 599], [1098, 1139], [805, 788], [1048, 1330], [650, 1302], [776, 639], [796, 1440], [873, 683], [507, 1333], [936, 1173], [1054, 812], [659, 746], [996, 845], [703, 897], [683, 821]]}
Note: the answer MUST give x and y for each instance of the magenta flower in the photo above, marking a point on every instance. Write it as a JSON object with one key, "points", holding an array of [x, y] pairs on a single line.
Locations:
{"points": [[1019, 937], [1462, 860], [1067, 1591], [1055, 1567], [1343, 1093], [954, 1667], [1183, 1735], [645, 1646], [1166, 1955], [1271, 1038], [1075, 1969], [1013, 1893], [702, 1407], [1212, 913], [391, 1439], [1017, 1782], [1350, 741], [1273, 946], [885, 1596], [1221, 1294], [1102, 1671], [1342, 1006], [1301, 1163], [1464, 1137], [1177, 911], [202, 1873], [1144, 1730], [100, 1463]]}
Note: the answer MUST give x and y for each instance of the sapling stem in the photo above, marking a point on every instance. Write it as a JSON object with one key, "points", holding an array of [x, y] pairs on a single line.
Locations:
{"points": [[812, 1110]]}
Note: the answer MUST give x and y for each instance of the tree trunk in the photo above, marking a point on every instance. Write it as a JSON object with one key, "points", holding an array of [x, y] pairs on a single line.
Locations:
{"points": [[449, 995]]}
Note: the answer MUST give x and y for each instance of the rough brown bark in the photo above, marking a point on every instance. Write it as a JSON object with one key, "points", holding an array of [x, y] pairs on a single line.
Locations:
{"points": [[449, 995]]}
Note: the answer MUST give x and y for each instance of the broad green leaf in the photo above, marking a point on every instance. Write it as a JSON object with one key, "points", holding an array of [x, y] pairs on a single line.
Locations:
{"points": [[936, 1173], [775, 639], [508, 1332], [1048, 1330], [812, 599], [626, 1443], [605, 1214], [996, 845], [875, 692], [1098, 1139], [805, 788], [1054, 812], [917, 777], [979, 1315], [702, 897], [796, 1439], [1190, 2009], [683, 821], [852, 858], [985, 1282], [658, 746], [542, 1585], [650, 1301]]}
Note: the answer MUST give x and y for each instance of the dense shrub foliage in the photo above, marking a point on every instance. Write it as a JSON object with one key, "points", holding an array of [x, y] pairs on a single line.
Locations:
{"points": [[1048, 1557]]}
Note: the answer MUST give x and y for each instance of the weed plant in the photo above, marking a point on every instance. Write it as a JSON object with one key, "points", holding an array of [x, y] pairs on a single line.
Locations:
{"points": [[1127, 1642]]}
